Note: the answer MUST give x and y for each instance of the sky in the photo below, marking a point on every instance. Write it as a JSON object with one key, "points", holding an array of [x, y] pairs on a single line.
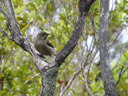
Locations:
{"points": [[124, 34]]}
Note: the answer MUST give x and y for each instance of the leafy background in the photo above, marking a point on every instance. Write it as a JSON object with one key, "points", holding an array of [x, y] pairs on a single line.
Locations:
{"points": [[18, 74]]}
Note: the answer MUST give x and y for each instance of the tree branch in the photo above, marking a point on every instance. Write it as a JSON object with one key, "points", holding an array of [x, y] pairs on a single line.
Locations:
{"points": [[106, 74], [70, 82], [4, 13], [13, 26], [48, 73], [122, 72], [10, 38], [84, 6], [120, 56], [17, 37], [85, 80]]}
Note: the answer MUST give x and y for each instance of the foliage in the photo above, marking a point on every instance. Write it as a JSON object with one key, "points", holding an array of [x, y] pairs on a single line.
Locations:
{"points": [[17, 70]]}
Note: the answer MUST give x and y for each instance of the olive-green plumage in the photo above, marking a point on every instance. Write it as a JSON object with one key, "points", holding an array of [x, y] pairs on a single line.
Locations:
{"points": [[42, 45]]}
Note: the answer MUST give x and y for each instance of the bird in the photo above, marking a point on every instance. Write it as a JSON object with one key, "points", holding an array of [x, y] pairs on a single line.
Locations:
{"points": [[42, 45]]}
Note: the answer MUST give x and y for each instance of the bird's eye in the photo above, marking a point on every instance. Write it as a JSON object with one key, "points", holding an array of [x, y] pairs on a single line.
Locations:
{"points": [[43, 34]]}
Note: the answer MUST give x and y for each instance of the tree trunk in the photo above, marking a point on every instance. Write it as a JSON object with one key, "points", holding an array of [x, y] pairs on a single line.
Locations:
{"points": [[106, 74]]}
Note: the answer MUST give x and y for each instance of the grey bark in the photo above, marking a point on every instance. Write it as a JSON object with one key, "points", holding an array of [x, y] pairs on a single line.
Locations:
{"points": [[106, 74], [47, 70], [84, 6]]}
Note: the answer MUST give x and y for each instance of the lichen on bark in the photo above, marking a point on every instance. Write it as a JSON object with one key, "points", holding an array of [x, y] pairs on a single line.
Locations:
{"points": [[48, 83]]}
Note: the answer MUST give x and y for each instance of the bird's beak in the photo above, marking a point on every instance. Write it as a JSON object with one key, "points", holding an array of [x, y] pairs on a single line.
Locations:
{"points": [[47, 34]]}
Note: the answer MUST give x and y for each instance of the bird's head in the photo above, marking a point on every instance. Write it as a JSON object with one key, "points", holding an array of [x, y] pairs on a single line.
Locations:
{"points": [[42, 35]]}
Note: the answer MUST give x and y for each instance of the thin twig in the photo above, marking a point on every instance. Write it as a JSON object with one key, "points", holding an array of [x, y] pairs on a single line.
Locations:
{"points": [[85, 80], [119, 32], [122, 72], [89, 68], [93, 24], [10, 38], [82, 63], [4, 13], [70, 82], [31, 78], [120, 57]]}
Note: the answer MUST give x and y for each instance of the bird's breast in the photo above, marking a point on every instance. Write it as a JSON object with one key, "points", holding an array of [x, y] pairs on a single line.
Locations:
{"points": [[43, 48]]}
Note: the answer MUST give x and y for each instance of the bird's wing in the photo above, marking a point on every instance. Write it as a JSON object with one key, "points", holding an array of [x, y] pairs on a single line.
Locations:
{"points": [[49, 44]]}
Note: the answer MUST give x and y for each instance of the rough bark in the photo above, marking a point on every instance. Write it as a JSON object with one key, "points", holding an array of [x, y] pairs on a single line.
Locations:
{"points": [[61, 56], [48, 70], [106, 74], [84, 6]]}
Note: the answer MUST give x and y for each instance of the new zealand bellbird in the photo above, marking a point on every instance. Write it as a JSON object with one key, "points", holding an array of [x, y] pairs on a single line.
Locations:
{"points": [[42, 45]]}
